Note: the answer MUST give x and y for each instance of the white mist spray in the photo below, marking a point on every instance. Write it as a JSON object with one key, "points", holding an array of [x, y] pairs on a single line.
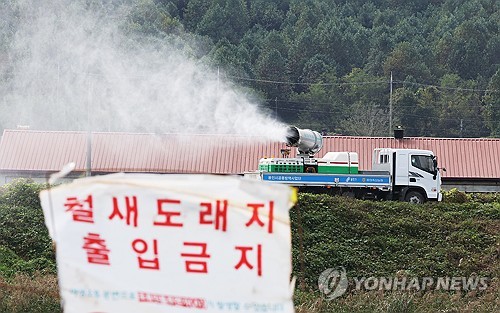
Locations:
{"points": [[70, 67]]}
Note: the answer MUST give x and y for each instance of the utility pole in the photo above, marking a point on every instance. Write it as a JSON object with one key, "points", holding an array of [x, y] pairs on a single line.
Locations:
{"points": [[276, 108], [390, 108], [461, 127], [88, 171], [218, 80]]}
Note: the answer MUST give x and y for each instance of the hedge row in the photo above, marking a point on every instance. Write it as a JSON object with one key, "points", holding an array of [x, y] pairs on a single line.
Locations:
{"points": [[25, 245], [384, 238]]}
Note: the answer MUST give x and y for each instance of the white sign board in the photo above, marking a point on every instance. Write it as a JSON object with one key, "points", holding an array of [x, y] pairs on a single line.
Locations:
{"points": [[171, 243]]}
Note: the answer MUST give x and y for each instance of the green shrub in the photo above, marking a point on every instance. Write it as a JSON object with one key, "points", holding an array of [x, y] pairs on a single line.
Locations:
{"points": [[485, 197], [455, 196], [8, 261], [11, 264], [22, 227], [21, 192], [381, 238]]}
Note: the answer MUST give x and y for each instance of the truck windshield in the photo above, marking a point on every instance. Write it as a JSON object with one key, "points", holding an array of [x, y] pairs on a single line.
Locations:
{"points": [[424, 162]]}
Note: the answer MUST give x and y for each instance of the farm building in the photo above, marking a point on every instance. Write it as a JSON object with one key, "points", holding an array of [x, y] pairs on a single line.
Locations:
{"points": [[471, 164]]}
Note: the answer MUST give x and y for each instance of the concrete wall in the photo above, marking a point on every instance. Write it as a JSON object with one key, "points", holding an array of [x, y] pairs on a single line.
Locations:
{"points": [[472, 185], [40, 177]]}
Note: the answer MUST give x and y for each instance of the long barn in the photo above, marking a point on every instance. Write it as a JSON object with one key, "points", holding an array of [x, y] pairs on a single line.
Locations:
{"points": [[472, 164]]}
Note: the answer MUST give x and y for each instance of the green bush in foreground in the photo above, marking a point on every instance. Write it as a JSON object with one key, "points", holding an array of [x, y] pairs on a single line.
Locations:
{"points": [[22, 225], [11, 264], [25, 245], [384, 238], [456, 196]]}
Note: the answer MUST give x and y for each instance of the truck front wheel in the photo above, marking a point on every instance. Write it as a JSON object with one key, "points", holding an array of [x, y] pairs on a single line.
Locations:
{"points": [[414, 197]]}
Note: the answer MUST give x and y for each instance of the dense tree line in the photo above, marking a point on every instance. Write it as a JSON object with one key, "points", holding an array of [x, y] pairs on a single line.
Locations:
{"points": [[330, 64]]}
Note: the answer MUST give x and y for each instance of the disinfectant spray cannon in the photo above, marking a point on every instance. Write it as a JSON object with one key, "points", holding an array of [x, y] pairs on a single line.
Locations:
{"points": [[308, 142]]}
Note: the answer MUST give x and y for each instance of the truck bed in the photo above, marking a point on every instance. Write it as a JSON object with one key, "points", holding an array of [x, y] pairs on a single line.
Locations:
{"points": [[374, 179]]}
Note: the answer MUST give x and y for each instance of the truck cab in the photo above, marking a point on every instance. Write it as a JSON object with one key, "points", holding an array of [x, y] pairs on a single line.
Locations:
{"points": [[414, 173]]}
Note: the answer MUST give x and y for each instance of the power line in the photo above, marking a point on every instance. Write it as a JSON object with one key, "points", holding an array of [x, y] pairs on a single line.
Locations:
{"points": [[270, 81], [444, 87], [305, 84], [339, 110], [444, 118], [416, 116], [302, 102], [334, 105], [360, 83]]}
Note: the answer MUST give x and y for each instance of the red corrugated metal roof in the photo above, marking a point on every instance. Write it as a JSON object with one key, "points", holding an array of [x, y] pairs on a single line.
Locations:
{"points": [[462, 157], [24, 150], [43, 151]]}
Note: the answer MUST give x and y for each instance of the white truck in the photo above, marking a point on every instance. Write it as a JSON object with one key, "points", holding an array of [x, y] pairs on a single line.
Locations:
{"points": [[410, 175]]}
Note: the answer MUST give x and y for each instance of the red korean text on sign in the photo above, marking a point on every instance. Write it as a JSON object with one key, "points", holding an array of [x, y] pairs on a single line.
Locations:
{"points": [[130, 210], [214, 214], [169, 209], [263, 210], [196, 262], [97, 252], [149, 297], [82, 210], [140, 246], [244, 259]]}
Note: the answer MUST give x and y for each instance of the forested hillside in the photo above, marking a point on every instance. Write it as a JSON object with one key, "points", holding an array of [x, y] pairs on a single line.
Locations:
{"points": [[327, 64]]}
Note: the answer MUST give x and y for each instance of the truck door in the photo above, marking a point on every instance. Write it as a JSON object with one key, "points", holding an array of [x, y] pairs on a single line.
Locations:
{"points": [[422, 173], [401, 168]]}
